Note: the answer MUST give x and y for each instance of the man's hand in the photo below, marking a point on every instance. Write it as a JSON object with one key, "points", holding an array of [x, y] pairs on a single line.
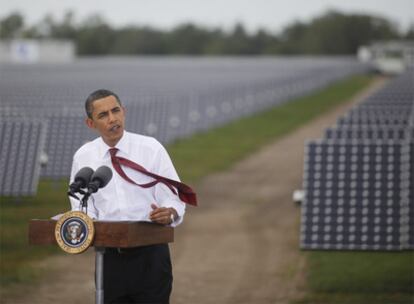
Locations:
{"points": [[162, 215]]}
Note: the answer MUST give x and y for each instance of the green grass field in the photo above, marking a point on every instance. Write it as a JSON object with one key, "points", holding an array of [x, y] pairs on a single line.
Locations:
{"points": [[333, 277], [16, 255], [360, 277]]}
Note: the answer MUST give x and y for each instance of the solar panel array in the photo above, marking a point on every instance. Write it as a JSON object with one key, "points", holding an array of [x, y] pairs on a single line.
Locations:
{"points": [[168, 98], [22, 143], [359, 178]]}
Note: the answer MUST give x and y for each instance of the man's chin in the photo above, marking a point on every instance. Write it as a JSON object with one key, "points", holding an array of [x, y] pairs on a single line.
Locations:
{"points": [[114, 137]]}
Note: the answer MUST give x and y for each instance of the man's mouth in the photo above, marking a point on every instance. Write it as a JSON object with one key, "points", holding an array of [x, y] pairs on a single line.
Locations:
{"points": [[114, 128]]}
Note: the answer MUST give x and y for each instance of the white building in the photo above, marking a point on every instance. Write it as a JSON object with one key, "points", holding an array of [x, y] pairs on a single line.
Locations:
{"points": [[388, 57], [36, 51]]}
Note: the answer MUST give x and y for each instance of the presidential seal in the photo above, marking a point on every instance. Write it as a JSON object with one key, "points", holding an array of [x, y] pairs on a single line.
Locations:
{"points": [[74, 232]]}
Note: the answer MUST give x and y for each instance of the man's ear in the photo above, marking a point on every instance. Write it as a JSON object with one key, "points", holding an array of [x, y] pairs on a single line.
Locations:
{"points": [[89, 123]]}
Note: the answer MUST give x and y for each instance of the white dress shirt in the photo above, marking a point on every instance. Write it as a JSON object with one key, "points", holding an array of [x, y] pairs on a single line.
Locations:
{"points": [[120, 200]]}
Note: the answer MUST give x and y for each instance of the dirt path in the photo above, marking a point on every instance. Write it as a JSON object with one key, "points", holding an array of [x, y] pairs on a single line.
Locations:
{"points": [[239, 246]]}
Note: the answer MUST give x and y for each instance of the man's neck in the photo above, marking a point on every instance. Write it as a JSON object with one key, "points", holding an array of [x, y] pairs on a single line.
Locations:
{"points": [[114, 142]]}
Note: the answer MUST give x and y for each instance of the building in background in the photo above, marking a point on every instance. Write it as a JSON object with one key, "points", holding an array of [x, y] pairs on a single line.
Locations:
{"points": [[388, 57], [37, 51]]}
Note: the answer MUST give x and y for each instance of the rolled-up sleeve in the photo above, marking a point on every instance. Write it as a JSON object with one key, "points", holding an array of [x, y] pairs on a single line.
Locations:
{"points": [[164, 196]]}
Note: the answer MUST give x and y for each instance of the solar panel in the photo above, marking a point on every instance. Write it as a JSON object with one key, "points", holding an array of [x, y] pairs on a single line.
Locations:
{"points": [[66, 134], [359, 179], [372, 132], [22, 143], [408, 195], [354, 195]]}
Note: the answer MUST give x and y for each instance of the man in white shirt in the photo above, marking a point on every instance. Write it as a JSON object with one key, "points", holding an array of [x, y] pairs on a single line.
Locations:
{"points": [[142, 274]]}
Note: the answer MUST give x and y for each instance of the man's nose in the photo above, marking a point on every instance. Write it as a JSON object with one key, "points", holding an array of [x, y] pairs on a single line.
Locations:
{"points": [[111, 117]]}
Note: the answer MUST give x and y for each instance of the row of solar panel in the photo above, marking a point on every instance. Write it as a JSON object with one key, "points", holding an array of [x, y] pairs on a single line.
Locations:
{"points": [[167, 99], [359, 179], [375, 132], [166, 117], [22, 143]]}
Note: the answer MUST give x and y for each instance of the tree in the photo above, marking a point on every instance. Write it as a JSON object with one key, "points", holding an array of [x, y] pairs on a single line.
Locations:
{"points": [[238, 42], [132, 40], [410, 33], [11, 26], [264, 43], [94, 37], [187, 39], [335, 33], [330, 33], [65, 29], [292, 38]]}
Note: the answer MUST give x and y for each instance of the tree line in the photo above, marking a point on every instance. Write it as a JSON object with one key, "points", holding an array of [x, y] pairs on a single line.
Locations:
{"points": [[331, 33]]}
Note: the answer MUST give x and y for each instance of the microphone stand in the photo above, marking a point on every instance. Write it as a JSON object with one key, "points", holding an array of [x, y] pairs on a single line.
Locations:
{"points": [[99, 251], [99, 256], [83, 204]]}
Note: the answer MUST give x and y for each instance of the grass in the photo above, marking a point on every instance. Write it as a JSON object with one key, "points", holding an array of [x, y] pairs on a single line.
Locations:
{"points": [[357, 298], [337, 271], [360, 277], [332, 276], [16, 255]]}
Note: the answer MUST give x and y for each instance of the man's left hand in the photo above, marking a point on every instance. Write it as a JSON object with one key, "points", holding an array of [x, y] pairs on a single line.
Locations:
{"points": [[162, 215]]}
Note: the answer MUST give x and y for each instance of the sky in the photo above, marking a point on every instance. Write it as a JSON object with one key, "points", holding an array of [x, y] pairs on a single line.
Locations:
{"points": [[271, 15]]}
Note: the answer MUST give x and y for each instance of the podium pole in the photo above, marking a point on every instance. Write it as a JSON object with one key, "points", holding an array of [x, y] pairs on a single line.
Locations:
{"points": [[99, 275]]}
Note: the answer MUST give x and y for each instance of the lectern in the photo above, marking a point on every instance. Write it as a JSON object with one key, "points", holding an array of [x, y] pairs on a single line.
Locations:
{"points": [[123, 234]]}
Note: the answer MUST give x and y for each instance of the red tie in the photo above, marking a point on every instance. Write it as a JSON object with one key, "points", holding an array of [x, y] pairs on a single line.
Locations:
{"points": [[185, 193]]}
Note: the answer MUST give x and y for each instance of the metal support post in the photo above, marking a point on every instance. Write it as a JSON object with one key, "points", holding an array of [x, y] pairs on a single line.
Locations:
{"points": [[99, 275]]}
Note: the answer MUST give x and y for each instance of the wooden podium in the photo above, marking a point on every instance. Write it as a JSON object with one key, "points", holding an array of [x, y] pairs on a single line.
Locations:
{"points": [[107, 234], [122, 234]]}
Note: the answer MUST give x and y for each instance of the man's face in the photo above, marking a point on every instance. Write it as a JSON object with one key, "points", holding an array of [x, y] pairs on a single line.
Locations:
{"points": [[108, 118]]}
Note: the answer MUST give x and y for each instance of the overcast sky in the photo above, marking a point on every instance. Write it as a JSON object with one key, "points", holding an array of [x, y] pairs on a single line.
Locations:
{"points": [[272, 15]]}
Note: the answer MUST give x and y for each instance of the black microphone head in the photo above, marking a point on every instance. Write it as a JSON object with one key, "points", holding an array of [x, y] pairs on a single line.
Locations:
{"points": [[81, 179], [100, 178], [83, 176]]}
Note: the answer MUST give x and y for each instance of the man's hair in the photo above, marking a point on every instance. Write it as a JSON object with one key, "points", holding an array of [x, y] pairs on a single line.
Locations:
{"points": [[98, 94]]}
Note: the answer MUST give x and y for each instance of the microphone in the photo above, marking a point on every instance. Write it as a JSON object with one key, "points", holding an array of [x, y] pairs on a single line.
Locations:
{"points": [[82, 178], [99, 179]]}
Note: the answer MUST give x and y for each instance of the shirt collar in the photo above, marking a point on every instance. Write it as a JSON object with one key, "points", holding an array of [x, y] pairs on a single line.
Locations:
{"points": [[122, 145]]}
